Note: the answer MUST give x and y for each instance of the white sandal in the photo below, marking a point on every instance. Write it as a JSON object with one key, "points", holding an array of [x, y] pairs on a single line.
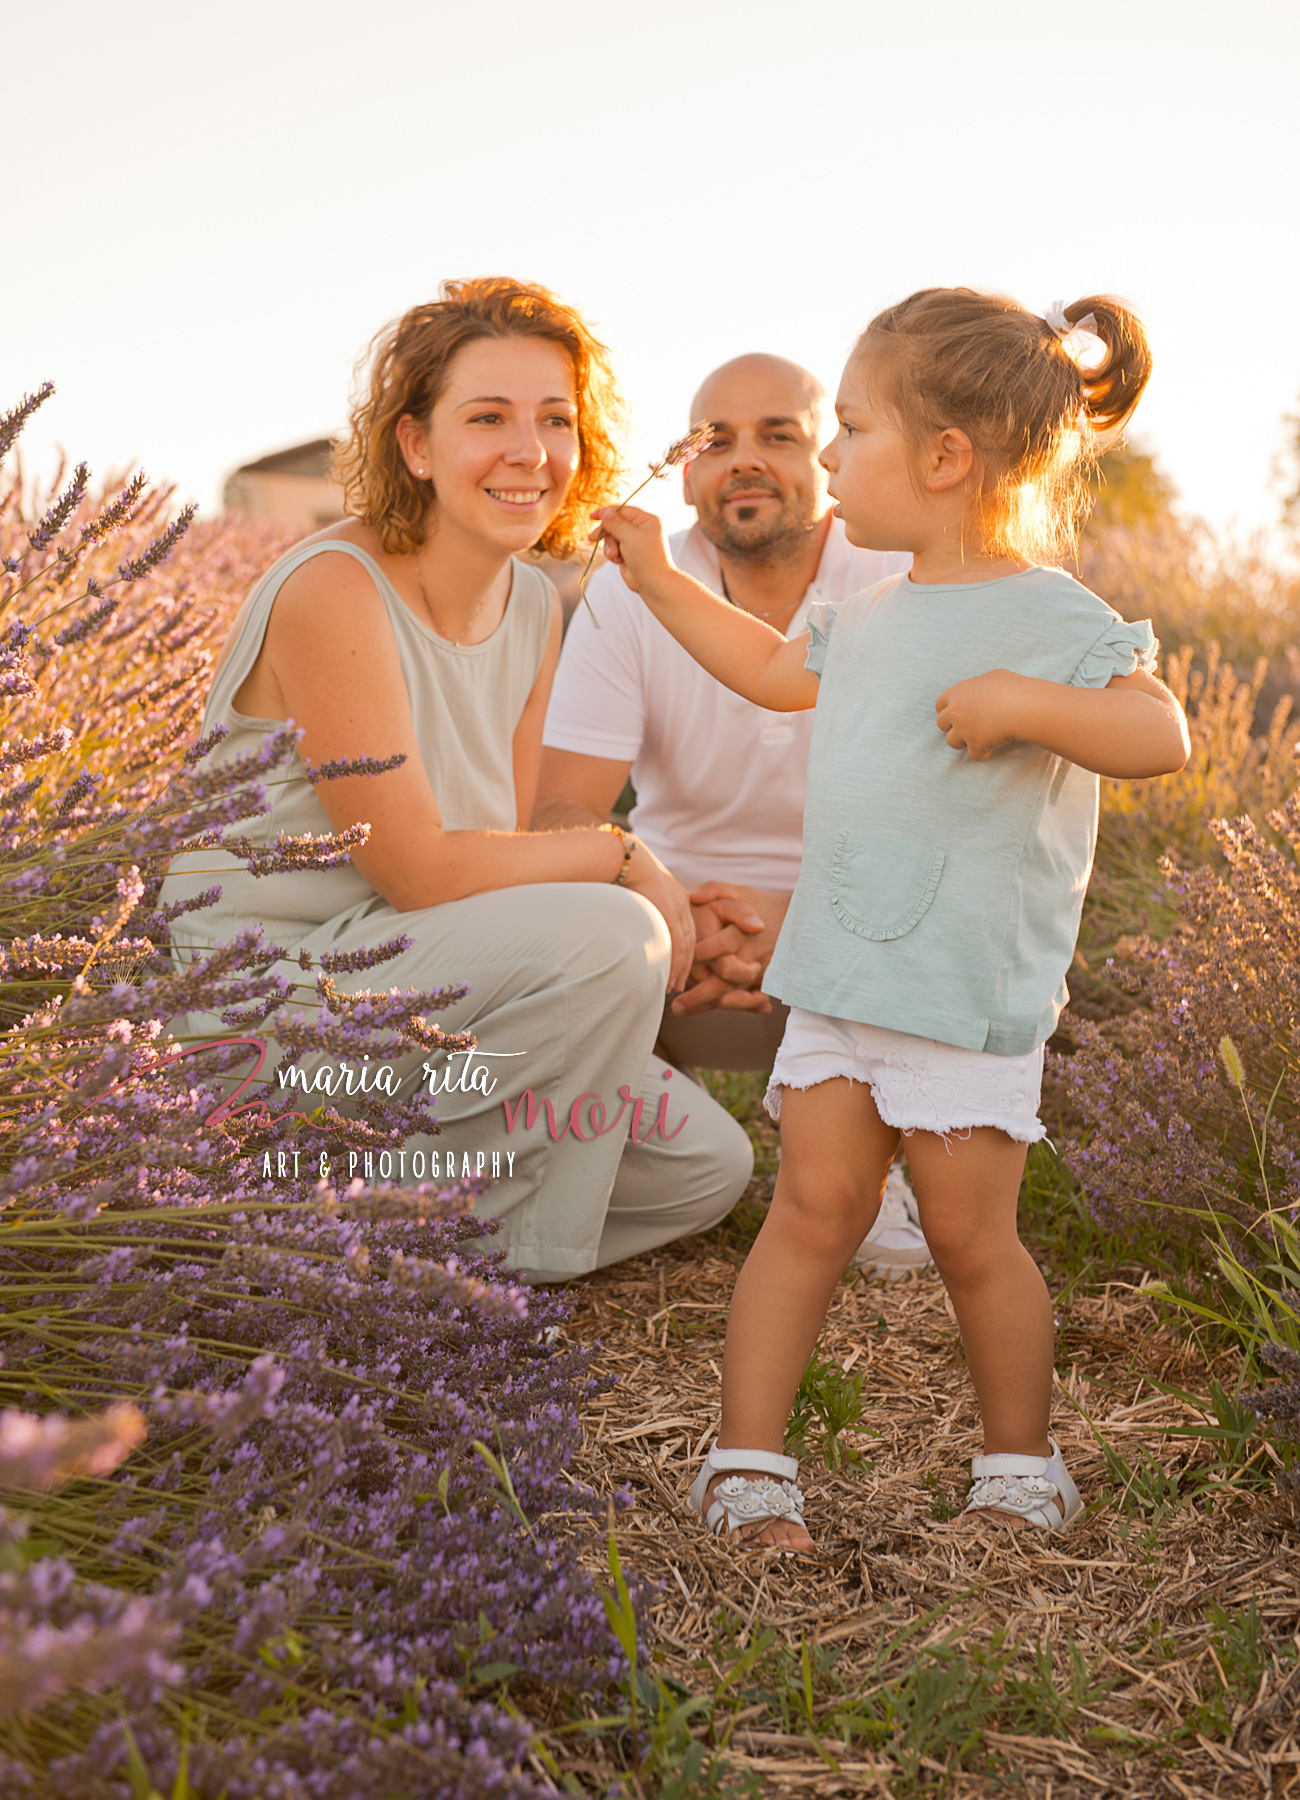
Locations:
{"points": [[1038, 1489], [739, 1501]]}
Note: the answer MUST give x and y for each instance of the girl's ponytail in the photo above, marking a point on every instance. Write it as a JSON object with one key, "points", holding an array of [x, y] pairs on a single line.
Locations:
{"points": [[1038, 403], [1114, 386]]}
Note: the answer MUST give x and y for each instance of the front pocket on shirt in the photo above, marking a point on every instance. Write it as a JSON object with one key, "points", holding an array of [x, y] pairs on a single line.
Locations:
{"points": [[881, 885]]}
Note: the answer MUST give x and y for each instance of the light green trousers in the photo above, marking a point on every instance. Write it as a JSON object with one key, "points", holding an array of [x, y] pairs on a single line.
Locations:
{"points": [[566, 994]]}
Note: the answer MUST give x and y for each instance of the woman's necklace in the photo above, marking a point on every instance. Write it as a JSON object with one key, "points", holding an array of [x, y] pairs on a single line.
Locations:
{"points": [[776, 610], [458, 642]]}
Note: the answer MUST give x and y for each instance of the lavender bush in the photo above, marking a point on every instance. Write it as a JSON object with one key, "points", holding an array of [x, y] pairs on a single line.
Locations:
{"points": [[1167, 1119], [1203, 590], [350, 1520], [1191, 1102], [1226, 619]]}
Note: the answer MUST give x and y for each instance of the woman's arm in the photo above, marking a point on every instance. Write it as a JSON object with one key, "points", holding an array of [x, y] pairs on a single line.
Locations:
{"points": [[1133, 727], [331, 648], [526, 748], [737, 649]]}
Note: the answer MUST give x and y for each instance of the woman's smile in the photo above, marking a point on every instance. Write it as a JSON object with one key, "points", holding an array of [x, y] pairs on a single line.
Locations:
{"points": [[519, 499]]}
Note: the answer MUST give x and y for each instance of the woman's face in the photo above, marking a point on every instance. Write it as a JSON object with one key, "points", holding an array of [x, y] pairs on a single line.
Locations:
{"points": [[501, 446]]}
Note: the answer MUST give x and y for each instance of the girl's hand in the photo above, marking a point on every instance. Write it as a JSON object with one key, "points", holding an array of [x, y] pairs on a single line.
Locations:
{"points": [[635, 540], [647, 876], [1132, 728], [983, 713]]}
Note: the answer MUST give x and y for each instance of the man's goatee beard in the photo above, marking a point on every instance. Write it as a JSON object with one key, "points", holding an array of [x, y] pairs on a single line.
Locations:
{"points": [[785, 543]]}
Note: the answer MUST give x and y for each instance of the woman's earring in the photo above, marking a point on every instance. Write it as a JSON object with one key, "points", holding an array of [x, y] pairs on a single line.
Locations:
{"points": [[419, 471]]}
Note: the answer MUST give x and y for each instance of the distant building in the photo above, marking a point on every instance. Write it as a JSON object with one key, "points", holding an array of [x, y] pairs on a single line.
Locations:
{"points": [[290, 489]]}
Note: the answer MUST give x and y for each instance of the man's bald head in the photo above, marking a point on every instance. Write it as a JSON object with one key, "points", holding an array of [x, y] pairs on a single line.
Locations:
{"points": [[751, 381], [759, 490]]}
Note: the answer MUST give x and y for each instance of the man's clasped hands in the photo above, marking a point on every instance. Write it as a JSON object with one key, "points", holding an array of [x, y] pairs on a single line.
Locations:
{"points": [[733, 946]]}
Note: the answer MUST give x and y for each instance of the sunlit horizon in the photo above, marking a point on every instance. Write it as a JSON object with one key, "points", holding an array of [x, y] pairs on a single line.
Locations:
{"points": [[227, 205]]}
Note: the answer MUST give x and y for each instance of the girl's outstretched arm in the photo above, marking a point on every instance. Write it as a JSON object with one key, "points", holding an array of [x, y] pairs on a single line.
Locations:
{"points": [[1132, 727], [737, 649]]}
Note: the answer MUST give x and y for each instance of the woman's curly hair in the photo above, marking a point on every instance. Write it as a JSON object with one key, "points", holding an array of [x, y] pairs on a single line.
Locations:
{"points": [[408, 365]]}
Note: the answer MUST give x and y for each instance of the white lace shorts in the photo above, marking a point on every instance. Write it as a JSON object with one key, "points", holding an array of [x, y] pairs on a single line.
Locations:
{"points": [[916, 1083]]}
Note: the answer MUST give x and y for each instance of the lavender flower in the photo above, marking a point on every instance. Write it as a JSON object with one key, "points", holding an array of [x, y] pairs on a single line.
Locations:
{"points": [[15, 668], [86, 1655], [40, 1452], [206, 745], [336, 769], [82, 786], [681, 450], [158, 549], [345, 962], [307, 1548], [21, 751], [12, 422], [285, 853], [56, 517], [89, 623], [111, 518]]}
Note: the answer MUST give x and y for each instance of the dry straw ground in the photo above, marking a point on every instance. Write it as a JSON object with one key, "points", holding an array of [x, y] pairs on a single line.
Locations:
{"points": [[1154, 1695]]}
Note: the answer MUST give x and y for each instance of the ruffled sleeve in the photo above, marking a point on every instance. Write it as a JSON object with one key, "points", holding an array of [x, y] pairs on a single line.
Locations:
{"points": [[1122, 649], [821, 622]]}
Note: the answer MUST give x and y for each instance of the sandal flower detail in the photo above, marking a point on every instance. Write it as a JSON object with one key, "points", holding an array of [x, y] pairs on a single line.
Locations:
{"points": [[741, 1500], [1038, 1489], [754, 1500]]}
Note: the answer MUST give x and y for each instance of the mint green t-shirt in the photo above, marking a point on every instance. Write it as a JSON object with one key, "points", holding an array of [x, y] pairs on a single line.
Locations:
{"points": [[938, 895]]}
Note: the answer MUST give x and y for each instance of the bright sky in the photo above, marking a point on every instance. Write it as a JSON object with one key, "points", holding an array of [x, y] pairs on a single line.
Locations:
{"points": [[211, 208]]}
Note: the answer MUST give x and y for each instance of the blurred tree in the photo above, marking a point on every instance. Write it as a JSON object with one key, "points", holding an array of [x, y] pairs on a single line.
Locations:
{"points": [[1286, 471], [1128, 488]]}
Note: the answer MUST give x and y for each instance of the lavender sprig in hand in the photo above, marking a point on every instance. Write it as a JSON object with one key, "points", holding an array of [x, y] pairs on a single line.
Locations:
{"points": [[682, 450]]}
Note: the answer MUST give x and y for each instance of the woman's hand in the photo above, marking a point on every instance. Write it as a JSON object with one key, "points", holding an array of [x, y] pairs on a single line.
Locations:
{"points": [[635, 541], [647, 876]]}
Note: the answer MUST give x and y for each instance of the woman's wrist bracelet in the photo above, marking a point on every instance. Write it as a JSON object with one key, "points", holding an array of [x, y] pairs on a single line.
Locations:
{"points": [[629, 845]]}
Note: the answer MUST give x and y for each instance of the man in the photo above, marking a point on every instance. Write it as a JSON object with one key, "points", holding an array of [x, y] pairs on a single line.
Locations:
{"points": [[719, 781]]}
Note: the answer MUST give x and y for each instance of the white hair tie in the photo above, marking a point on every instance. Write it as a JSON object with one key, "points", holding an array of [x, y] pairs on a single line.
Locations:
{"points": [[1063, 327]]}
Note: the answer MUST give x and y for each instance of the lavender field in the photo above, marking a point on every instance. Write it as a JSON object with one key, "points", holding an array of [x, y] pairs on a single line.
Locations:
{"points": [[302, 1497]]}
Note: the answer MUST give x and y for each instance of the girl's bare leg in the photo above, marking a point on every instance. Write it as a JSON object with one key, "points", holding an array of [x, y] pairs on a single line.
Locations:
{"points": [[835, 1156], [966, 1191]]}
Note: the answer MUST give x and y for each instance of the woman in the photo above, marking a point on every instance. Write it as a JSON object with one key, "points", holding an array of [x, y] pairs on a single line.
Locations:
{"points": [[413, 628]]}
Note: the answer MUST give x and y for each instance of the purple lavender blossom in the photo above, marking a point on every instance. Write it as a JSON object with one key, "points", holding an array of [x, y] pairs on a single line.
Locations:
{"points": [[18, 752], [89, 623], [340, 766], [307, 1540], [206, 745], [118, 512], [351, 962], [56, 517], [158, 549], [12, 422]]}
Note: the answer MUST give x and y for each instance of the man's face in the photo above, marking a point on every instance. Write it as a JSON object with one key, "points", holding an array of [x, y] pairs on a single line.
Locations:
{"points": [[758, 489]]}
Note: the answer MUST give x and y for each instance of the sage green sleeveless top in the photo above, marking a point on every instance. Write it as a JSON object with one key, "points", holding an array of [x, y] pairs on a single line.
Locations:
{"points": [[466, 700]]}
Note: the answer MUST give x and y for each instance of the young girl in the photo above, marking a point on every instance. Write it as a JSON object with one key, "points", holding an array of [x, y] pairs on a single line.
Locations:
{"points": [[964, 714]]}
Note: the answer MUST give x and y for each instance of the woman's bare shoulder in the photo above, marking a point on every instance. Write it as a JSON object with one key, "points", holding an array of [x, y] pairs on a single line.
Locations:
{"points": [[328, 584], [331, 588]]}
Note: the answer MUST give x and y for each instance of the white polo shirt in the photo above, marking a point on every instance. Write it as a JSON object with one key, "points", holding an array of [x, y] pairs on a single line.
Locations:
{"points": [[719, 781]]}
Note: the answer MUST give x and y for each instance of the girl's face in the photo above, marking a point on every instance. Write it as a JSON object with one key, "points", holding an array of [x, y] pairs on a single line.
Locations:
{"points": [[501, 446], [872, 471]]}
